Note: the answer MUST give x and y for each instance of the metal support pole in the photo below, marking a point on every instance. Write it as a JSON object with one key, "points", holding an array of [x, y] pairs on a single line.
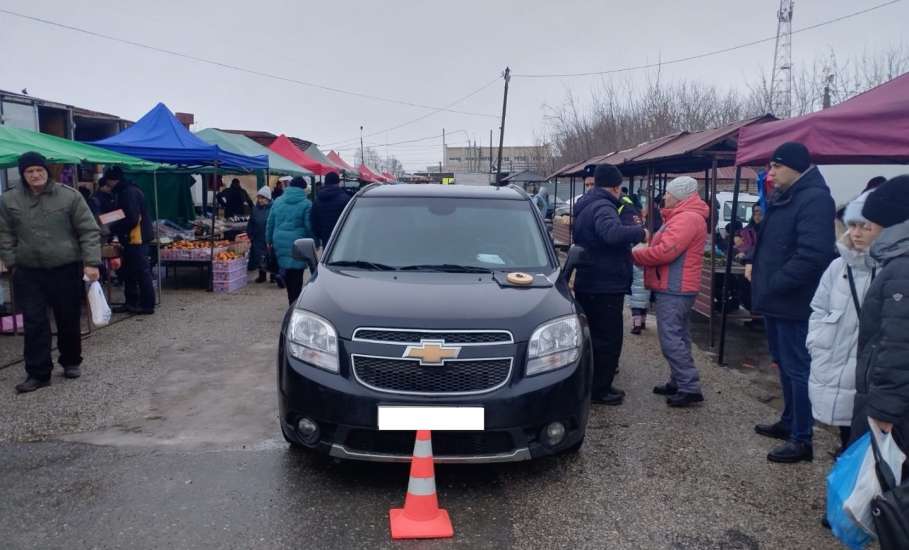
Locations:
{"points": [[713, 215], [157, 235], [214, 212], [571, 211], [729, 254]]}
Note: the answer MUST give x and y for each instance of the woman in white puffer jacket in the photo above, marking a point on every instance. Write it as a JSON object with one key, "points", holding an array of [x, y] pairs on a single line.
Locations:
{"points": [[834, 325]]}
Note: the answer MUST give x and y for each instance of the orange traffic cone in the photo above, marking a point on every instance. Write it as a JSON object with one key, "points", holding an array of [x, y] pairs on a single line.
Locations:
{"points": [[421, 517]]}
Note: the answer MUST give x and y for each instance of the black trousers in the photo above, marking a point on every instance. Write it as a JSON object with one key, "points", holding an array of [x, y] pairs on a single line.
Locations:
{"points": [[138, 288], [604, 315], [62, 290], [293, 281]]}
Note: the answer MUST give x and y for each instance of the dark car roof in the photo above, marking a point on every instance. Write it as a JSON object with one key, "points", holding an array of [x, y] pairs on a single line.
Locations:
{"points": [[453, 191]]}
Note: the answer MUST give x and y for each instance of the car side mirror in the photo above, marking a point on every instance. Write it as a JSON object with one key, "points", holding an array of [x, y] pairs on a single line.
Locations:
{"points": [[574, 259], [305, 249]]}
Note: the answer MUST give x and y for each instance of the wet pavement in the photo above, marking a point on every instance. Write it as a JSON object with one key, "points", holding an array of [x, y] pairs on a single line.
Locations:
{"points": [[170, 440]]}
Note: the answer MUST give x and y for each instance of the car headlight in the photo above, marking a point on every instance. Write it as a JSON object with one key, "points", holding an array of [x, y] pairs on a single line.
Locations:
{"points": [[554, 345], [313, 340]]}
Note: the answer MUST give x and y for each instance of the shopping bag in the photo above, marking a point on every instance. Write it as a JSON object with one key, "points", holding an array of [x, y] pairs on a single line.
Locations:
{"points": [[867, 485], [840, 485], [97, 304]]}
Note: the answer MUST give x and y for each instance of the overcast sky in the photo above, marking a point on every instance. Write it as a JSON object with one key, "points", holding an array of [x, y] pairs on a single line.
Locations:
{"points": [[416, 51]]}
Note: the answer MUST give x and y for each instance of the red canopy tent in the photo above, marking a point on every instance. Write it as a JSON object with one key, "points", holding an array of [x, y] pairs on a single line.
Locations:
{"points": [[368, 175], [388, 177], [870, 128], [336, 158], [284, 147]]}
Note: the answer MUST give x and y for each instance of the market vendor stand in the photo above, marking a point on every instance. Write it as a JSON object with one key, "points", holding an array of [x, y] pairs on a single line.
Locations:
{"points": [[159, 136], [870, 128], [15, 141]]}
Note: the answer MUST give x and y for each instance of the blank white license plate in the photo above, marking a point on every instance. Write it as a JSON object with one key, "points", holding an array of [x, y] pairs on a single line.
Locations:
{"points": [[393, 417]]}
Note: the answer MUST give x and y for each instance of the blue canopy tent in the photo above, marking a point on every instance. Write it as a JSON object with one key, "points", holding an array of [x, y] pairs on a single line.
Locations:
{"points": [[160, 137]]}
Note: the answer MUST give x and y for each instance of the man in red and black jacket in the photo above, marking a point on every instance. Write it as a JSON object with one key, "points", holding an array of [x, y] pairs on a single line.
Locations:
{"points": [[672, 270]]}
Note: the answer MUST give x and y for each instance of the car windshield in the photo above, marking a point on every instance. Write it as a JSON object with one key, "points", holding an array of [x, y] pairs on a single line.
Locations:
{"points": [[441, 234]]}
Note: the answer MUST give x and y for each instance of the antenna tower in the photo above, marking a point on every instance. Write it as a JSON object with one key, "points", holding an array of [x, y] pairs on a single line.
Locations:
{"points": [[781, 85]]}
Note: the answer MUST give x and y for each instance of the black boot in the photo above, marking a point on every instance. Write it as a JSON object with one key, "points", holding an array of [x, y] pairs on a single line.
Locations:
{"points": [[32, 384], [684, 399], [791, 452], [613, 398], [261, 277], [776, 431], [72, 371], [666, 389]]}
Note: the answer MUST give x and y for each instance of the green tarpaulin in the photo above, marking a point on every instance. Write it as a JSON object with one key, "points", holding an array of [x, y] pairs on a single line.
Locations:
{"points": [[240, 144], [175, 201], [15, 141]]}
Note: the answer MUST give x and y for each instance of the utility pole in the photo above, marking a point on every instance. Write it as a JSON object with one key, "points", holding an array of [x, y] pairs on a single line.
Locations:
{"points": [[490, 150], [444, 152], [507, 76], [827, 82], [362, 149]]}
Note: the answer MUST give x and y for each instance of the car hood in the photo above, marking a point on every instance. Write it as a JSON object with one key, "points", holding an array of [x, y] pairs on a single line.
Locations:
{"points": [[352, 299]]}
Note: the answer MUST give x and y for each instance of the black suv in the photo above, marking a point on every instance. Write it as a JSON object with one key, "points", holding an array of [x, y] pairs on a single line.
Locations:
{"points": [[435, 296]]}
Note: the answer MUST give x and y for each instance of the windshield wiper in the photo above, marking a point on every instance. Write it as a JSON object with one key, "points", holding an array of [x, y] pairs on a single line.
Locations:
{"points": [[362, 264], [446, 268]]}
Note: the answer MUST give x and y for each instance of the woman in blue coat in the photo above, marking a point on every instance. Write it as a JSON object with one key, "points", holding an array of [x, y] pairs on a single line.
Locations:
{"points": [[255, 230], [287, 222]]}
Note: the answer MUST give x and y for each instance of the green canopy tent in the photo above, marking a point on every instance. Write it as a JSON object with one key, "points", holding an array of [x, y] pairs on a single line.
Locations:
{"points": [[15, 141], [240, 144]]}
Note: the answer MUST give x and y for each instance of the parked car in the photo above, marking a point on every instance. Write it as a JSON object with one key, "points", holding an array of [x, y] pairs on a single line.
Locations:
{"points": [[419, 300]]}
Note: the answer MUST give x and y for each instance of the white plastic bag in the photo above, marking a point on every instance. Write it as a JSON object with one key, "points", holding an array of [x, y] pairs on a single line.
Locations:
{"points": [[98, 305], [867, 486]]}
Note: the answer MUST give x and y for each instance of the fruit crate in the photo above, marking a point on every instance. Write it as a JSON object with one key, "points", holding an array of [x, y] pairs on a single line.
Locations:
{"points": [[222, 266], [230, 285], [222, 276]]}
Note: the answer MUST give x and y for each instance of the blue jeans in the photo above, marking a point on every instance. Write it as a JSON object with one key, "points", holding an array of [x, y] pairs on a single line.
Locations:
{"points": [[786, 338]]}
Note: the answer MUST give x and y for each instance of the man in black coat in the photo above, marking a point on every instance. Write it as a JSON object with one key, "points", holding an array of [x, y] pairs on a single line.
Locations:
{"points": [[329, 204], [233, 199], [134, 232], [882, 370], [796, 243], [604, 275]]}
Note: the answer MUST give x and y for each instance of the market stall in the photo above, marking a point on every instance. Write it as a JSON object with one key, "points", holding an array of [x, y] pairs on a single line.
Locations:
{"points": [[160, 137], [13, 143]]}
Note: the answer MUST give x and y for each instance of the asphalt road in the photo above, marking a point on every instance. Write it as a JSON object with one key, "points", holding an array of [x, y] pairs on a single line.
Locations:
{"points": [[169, 440]]}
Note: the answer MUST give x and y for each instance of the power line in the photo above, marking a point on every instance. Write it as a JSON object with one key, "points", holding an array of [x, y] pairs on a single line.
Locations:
{"points": [[418, 119], [707, 54], [237, 67]]}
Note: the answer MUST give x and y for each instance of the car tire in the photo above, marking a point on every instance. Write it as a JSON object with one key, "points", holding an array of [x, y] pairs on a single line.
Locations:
{"points": [[293, 444]]}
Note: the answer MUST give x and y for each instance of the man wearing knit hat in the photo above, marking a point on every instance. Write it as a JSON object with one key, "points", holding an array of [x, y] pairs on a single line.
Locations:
{"points": [[49, 238], [604, 277], [796, 243], [672, 270], [882, 372]]}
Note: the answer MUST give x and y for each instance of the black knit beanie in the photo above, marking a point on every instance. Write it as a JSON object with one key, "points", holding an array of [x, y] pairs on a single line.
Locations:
{"points": [[794, 155], [889, 203], [607, 175], [27, 160], [332, 178], [298, 182]]}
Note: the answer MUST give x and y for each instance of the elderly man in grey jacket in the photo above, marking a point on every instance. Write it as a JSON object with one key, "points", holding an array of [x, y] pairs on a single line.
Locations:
{"points": [[49, 238]]}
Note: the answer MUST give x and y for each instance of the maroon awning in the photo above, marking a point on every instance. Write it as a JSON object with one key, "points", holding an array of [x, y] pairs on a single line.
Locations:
{"points": [[870, 128]]}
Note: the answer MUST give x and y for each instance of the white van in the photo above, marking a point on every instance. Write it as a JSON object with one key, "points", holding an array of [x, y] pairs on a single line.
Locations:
{"points": [[746, 203]]}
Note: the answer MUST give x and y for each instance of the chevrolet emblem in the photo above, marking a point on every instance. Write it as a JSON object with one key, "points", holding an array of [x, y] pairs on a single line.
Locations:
{"points": [[432, 352]]}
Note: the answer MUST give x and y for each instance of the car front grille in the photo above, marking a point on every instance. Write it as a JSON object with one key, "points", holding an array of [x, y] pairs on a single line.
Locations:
{"points": [[444, 443], [397, 336], [453, 378]]}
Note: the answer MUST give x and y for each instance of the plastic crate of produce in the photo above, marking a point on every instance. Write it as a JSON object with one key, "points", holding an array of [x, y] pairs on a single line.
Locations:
{"points": [[230, 285], [229, 275], [228, 265]]}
